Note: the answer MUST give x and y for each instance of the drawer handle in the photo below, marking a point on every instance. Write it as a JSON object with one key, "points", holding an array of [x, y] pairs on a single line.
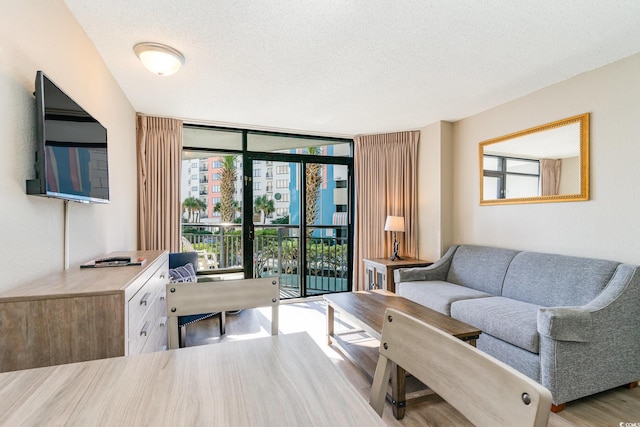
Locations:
{"points": [[144, 329], [163, 321], [162, 276], [162, 298], [145, 298]]}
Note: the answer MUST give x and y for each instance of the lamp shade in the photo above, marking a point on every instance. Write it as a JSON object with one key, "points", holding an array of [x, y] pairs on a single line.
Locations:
{"points": [[158, 58], [394, 223]]}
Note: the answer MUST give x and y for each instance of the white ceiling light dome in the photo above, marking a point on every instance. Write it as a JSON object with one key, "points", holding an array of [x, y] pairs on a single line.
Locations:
{"points": [[160, 59]]}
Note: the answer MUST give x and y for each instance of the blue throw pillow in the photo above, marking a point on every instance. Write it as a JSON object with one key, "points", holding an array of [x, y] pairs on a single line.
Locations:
{"points": [[185, 273]]}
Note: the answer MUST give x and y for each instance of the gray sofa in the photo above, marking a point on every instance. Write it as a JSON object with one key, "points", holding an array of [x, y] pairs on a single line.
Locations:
{"points": [[570, 323]]}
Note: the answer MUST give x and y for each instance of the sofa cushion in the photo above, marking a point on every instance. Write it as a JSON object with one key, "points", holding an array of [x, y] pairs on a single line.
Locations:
{"points": [[524, 361], [480, 267], [556, 280], [509, 320], [437, 295]]}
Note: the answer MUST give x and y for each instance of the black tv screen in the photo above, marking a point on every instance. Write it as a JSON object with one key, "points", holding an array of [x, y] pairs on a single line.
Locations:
{"points": [[71, 152]]}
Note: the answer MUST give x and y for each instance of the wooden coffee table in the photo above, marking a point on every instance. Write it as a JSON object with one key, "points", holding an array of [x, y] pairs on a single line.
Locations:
{"points": [[365, 309]]}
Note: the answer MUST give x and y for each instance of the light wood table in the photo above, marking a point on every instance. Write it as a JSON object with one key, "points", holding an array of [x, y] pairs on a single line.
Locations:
{"points": [[365, 309], [283, 380], [379, 271]]}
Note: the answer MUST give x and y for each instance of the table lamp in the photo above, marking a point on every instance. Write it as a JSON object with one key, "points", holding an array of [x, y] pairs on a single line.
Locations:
{"points": [[394, 224]]}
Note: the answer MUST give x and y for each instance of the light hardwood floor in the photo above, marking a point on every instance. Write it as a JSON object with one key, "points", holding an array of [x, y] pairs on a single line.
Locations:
{"points": [[610, 408]]}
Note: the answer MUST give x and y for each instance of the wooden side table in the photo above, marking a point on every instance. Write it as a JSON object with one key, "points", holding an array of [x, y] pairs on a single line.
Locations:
{"points": [[379, 271]]}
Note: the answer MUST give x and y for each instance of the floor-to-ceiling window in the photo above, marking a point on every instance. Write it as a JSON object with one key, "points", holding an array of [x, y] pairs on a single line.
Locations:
{"points": [[270, 205], [211, 195]]}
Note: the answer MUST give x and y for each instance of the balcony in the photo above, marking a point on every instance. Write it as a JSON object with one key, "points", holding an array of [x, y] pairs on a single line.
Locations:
{"points": [[276, 253]]}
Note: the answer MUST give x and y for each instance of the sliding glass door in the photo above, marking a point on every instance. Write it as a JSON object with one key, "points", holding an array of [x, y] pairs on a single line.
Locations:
{"points": [[275, 224], [300, 225], [259, 204]]}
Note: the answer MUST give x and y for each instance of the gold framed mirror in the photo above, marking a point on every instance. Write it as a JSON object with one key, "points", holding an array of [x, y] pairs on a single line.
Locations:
{"points": [[547, 163]]}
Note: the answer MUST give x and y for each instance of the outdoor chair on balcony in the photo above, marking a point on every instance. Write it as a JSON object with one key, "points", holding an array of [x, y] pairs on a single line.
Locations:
{"points": [[206, 260], [181, 269]]}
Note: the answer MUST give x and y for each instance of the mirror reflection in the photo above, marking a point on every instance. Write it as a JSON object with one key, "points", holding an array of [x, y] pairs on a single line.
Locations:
{"points": [[547, 163]]}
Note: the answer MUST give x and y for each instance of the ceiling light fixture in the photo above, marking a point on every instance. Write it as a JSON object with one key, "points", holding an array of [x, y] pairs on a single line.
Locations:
{"points": [[158, 58]]}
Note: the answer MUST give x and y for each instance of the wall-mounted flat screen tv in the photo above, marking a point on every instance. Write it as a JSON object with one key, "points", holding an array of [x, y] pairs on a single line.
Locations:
{"points": [[71, 148]]}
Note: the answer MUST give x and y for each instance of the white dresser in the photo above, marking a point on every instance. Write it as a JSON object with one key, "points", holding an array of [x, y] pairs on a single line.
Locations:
{"points": [[86, 314]]}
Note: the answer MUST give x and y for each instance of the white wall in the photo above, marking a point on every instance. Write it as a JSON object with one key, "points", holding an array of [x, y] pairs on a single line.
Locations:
{"points": [[607, 226], [43, 35]]}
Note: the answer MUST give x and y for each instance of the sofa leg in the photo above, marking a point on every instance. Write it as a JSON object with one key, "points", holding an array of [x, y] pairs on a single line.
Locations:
{"points": [[560, 407]]}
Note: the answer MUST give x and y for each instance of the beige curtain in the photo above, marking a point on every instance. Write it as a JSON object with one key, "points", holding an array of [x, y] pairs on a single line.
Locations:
{"points": [[386, 184], [159, 142], [550, 177]]}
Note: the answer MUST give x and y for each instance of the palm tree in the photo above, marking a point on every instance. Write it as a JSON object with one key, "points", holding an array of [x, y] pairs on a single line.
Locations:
{"points": [[201, 207], [264, 205], [236, 209], [191, 205], [314, 182], [227, 188]]}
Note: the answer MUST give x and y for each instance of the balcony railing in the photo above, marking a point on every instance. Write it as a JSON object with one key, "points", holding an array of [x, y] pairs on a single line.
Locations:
{"points": [[276, 253]]}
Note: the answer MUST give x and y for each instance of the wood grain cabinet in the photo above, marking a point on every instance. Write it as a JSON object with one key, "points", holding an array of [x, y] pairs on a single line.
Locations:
{"points": [[85, 314], [379, 271]]}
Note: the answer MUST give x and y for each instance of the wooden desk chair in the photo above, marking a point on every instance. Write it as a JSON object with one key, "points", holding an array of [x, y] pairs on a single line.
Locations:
{"points": [[184, 299], [177, 260], [485, 390]]}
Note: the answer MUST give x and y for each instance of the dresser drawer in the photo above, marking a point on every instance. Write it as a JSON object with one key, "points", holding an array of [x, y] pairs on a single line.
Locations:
{"points": [[160, 306], [139, 334], [141, 302], [145, 310], [159, 336], [157, 341]]}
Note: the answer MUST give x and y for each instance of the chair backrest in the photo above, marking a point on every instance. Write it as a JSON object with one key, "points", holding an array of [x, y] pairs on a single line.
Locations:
{"points": [[186, 245], [184, 299], [485, 390]]}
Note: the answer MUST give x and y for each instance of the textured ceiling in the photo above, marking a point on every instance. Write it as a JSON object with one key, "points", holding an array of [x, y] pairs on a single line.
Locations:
{"points": [[340, 67]]}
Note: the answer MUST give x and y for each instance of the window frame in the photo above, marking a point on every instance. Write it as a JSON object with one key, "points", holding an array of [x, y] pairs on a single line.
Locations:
{"points": [[502, 174]]}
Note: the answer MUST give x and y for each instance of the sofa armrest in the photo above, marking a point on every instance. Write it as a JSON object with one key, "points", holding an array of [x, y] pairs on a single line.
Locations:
{"points": [[566, 323], [610, 309], [621, 293], [436, 271], [573, 369]]}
